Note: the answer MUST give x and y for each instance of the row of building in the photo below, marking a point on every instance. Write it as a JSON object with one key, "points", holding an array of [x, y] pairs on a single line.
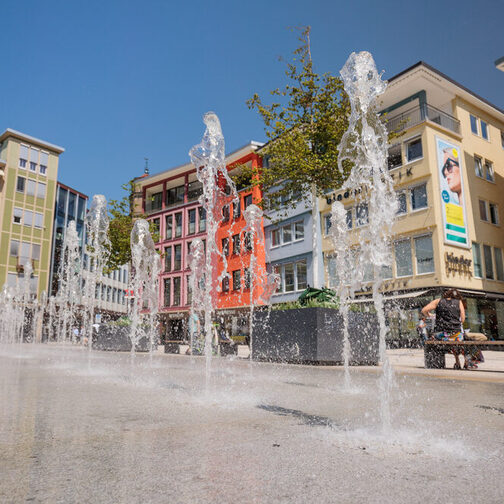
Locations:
{"points": [[35, 209], [447, 163]]}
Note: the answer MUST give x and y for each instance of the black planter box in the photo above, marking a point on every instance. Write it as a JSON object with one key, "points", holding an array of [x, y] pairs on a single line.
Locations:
{"points": [[116, 339], [314, 335]]}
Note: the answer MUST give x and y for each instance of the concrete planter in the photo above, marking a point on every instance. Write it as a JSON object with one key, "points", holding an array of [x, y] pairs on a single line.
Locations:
{"points": [[314, 335], [116, 339]]}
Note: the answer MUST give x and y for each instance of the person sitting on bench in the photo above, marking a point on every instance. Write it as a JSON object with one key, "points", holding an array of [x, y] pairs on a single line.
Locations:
{"points": [[450, 315]]}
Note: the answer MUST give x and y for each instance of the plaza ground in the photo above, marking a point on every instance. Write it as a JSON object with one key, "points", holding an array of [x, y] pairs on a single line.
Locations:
{"points": [[99, 427]]}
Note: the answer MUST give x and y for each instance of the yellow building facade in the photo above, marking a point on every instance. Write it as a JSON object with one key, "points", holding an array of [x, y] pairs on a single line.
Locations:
{"points": [[449, 231], [28, 174]]}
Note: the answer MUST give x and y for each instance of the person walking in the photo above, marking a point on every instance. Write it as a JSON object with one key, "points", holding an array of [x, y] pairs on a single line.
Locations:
{"points": [[450, 315]]}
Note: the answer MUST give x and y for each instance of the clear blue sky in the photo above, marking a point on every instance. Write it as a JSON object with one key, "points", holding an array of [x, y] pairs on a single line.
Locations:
{"points": [[116, 81]]}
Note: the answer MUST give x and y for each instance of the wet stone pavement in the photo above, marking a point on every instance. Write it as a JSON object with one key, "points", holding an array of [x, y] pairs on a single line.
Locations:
{"points": [[100, 428]]}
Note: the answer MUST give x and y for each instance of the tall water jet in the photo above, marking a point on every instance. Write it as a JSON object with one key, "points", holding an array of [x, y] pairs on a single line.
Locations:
{"points": [[364, 144], [209, 160], [145, 285], [69, 290], [98, 244], [344, 268], [197, 264]]}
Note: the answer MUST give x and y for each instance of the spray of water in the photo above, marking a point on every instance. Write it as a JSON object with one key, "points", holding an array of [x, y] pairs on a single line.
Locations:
{"points": [[69, 290], [197, 265], [208, 157], [365, 145], [145, 285], [97, 223]]}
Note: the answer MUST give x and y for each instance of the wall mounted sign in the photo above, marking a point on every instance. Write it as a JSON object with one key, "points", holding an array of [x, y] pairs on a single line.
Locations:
{"points": [[451, 196]]}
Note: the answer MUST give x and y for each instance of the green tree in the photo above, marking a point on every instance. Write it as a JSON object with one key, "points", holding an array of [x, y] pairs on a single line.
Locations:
{"points": [[304, 127], [122, 219]]}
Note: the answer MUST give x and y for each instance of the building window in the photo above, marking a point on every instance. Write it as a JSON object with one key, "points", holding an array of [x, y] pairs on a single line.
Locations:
{"points": [[327, 224], [28, 218], [298, 230], [474, 124], [394, 157], [236, 244], [236, 280], [499, 270], [14, 248], [289, 277], [20, 187], [489, 171], [478, 267], [418, 197], [194, 190], [225, 246], [202, 219], [167, 291], [44, 158], [156, 224], [484, 129], [483, 210], [487, 254], [225, 284], [225, 213], [35, 252], [31, 186], [349, 219], [18, 216], [109, 293], [248, 242], [39, 220], [275, 237], [168, 227], [189, 290], [178, 225], [361, 214], [174, 196], [191, 214], [23, 156], [176, 291], [236, 209], [478, 167], [424, 255], [301, 277], [404, 266], [177, 253], [414, 150], [168, 258], [286, 234], [33, 166], [494, 213], [247, 278], [401, 203], [41, 190]]}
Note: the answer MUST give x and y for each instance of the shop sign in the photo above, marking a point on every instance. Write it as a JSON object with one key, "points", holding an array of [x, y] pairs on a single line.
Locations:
{"points": [[457, 264]]}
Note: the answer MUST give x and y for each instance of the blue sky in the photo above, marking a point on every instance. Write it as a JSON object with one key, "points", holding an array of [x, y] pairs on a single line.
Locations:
{"points": [[116, 81]]}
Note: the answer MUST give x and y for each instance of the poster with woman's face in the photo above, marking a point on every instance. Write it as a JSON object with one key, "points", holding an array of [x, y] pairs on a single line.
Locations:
{"points": [[452, 194]]}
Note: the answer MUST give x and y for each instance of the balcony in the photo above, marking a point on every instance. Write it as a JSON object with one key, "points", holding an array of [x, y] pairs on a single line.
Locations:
{"points": [[419, 114]]}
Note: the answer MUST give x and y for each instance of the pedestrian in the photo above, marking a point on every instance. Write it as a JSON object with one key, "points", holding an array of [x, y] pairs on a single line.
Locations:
{"points": [[450, 315], [422, 329]]}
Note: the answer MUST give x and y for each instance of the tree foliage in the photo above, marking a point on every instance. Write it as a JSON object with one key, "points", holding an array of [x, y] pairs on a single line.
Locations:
{"points": [[120, 226], [304, 126]]}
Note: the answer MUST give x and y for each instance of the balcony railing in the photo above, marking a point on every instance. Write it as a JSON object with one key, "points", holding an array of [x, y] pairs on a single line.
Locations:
{"points": [[153, 206], [419, 114]]}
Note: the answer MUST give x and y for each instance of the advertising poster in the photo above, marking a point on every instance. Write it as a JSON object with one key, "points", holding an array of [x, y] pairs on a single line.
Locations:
{"points": [[452, 194]]}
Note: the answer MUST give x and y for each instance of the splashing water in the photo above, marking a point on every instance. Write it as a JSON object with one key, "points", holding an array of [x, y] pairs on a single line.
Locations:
{"points": [[197, 264], [69, 290], [208, 157], [97, 223], [145, 285], [365, 145]]}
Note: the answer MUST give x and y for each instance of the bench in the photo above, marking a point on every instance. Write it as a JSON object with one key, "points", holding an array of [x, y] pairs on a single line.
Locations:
{"points": [[434, 350]]}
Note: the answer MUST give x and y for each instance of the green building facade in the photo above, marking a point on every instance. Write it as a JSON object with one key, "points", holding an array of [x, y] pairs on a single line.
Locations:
{"points": [[28, 175]]}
